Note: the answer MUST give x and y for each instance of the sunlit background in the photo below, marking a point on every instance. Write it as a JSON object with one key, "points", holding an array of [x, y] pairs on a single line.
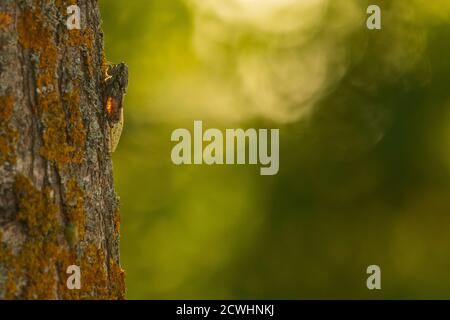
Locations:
{"points": [[364, 120]]}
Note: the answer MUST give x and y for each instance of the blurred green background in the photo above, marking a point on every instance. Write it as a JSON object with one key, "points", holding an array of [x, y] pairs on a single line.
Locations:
{"points": [[364, 120]]}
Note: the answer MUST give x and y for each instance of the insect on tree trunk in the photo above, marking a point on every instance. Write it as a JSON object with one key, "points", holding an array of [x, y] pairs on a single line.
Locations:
{"points": [[58, 207]]}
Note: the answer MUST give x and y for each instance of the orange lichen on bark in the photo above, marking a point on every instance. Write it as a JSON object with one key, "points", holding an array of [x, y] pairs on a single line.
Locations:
{"points": [[8, 135], [6, 107], [6, 262], [10, 287], [95, 278], [64, 135], [41, 263], [55, 137], [36, 209], [117, 280], [75, 38], [95, 281], [32, 33], [5, 19], [116, 223], [38, 260], [75, 208], [76, 126], [34, 266]]}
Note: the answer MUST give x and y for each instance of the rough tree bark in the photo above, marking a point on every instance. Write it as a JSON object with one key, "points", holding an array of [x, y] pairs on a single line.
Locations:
{"points": [[57, 203]]}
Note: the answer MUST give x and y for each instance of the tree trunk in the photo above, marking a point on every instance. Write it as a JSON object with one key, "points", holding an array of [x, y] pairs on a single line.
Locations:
{"points": [[57, 202]]}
